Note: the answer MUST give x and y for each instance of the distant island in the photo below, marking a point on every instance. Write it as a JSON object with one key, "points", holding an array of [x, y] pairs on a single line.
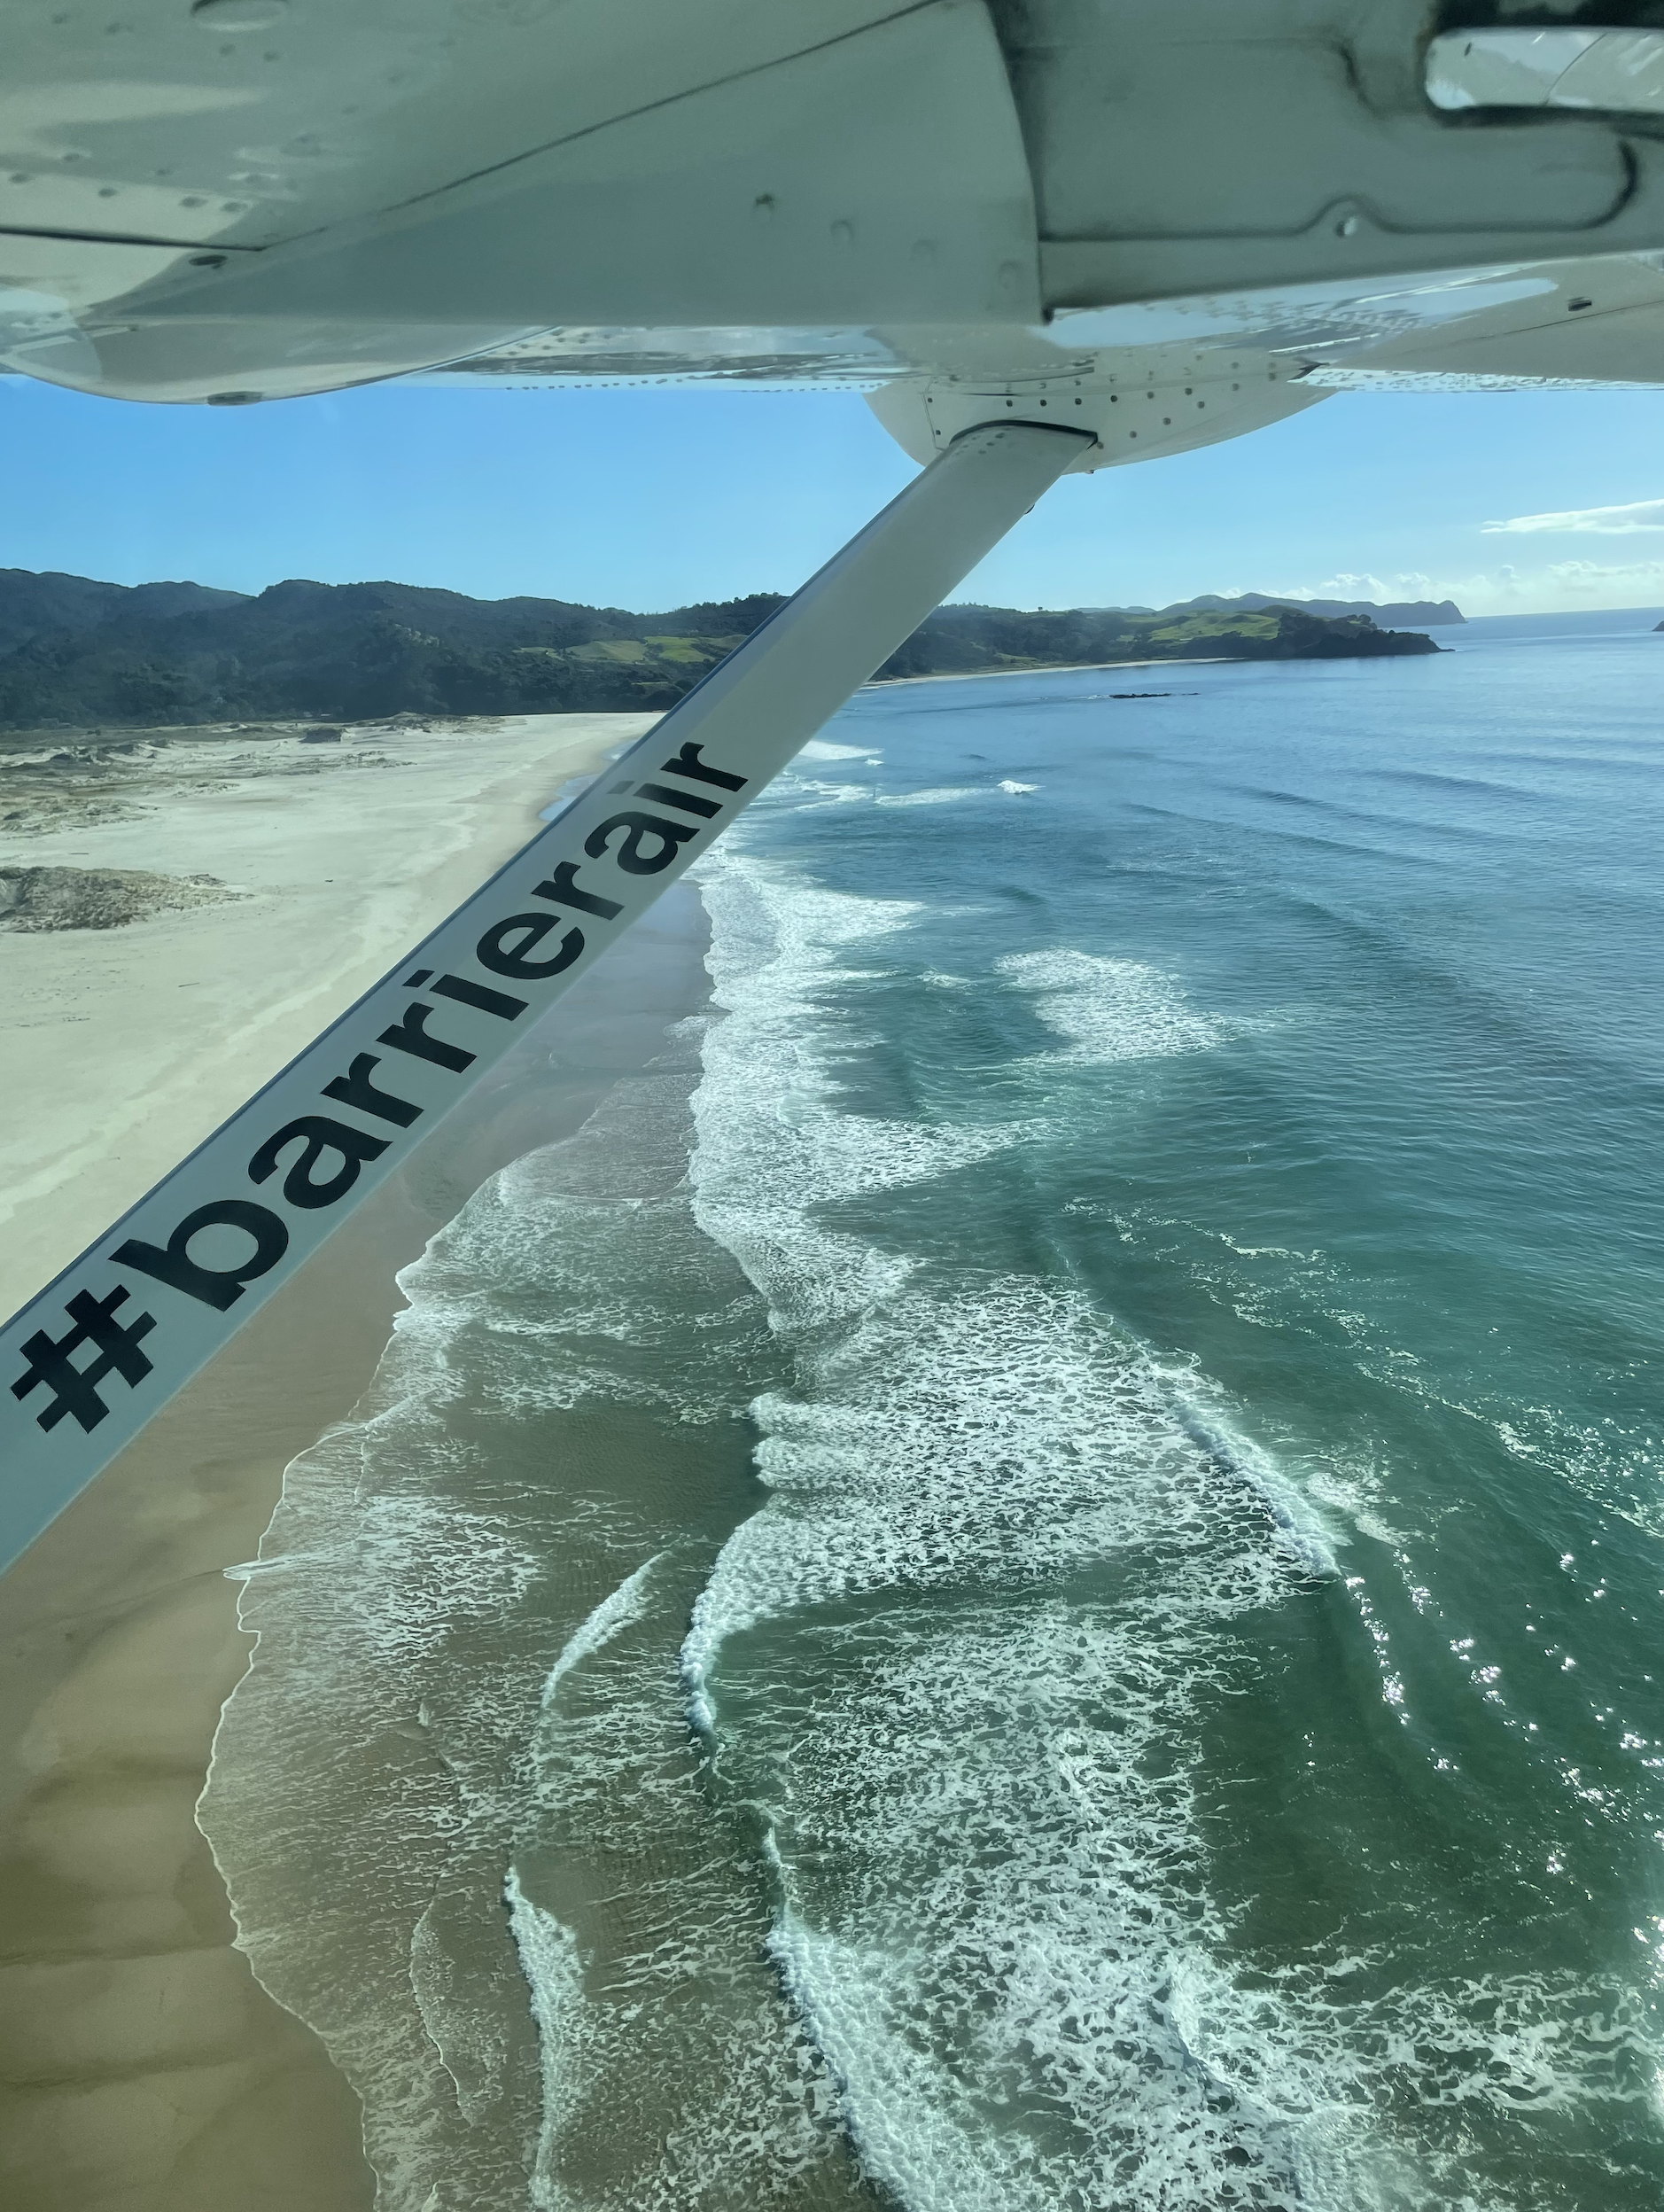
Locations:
{"points": [[75, 653], [1422, 614]]}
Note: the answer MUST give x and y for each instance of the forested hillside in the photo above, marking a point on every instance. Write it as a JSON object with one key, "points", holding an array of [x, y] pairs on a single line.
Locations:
{"points": [[75, 654]]}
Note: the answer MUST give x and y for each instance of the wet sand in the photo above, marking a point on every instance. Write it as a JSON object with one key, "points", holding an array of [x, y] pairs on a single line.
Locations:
{"points": [[142, 2068]]}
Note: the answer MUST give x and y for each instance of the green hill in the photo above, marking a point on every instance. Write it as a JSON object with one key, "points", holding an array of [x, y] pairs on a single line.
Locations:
{"points": [[78, 655], [967, 639]]}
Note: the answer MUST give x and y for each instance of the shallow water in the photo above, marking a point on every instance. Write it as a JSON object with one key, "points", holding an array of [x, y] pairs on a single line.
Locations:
{"points": [[1065, 1614]]}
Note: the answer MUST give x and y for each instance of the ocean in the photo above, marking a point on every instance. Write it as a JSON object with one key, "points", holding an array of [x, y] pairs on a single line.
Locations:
{"points": [[1028, 1576]]}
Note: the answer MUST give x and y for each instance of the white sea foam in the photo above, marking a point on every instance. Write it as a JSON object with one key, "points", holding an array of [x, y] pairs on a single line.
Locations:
{"points": [[937, 795], [783, 1146], [467, 2027], [1027, 2003], [988, 1505], [908, 2132], [554, 1975], [569, 794], [998, 1551], [1113, 1011], [809, 792], [611, 1618], [674, 2073], [1301, 1531], [966, 1658], [1016, 789], [375, 1771]]}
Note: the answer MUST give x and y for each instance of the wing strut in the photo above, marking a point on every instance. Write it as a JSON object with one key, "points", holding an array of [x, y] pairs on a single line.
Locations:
{"points": [[85, 1365]]}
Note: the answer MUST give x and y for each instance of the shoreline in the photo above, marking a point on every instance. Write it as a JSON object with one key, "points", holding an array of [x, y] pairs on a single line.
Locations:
{"points": [[143, 2068], [1183, 660], [361, 1842], [1062, 669]]}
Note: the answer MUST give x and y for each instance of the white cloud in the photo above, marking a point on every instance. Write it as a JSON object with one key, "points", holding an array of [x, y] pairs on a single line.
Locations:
{"points": [[1560, 586], [1606, 522], [1598, 576], [1349, 584]]}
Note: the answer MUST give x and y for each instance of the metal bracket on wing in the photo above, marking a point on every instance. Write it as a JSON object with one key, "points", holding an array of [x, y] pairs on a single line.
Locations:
{"points": [[86, 1364]]}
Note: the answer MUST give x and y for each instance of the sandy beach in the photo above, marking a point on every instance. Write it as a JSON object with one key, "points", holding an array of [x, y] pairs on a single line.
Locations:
{"points": [[345, 851], [1065, 668], [141, 2065]]}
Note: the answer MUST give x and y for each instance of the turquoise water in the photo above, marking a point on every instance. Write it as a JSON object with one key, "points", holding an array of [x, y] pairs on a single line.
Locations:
{"points": [[1064, 1517]]}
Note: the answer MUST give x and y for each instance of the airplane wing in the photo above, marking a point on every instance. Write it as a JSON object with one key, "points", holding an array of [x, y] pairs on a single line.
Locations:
{"points": [[1169, 224]]}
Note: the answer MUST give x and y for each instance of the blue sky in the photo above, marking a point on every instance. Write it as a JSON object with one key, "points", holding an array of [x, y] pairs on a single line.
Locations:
{"points": [[653, 498]]}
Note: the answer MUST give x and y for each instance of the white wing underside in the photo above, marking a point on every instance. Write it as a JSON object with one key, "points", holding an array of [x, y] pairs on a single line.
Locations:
{"points": [[1161, 223]]}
